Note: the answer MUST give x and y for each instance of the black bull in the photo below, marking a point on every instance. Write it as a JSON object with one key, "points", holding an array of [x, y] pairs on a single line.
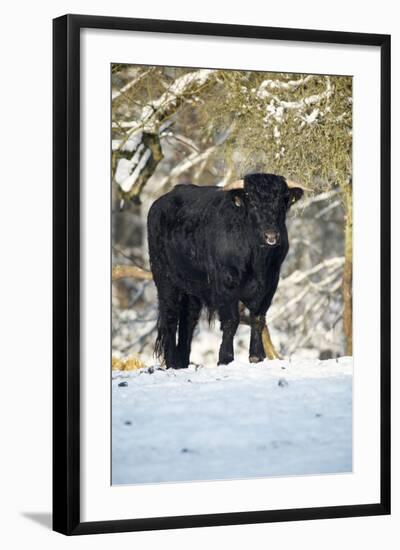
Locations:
{"points": [[212, 248]]}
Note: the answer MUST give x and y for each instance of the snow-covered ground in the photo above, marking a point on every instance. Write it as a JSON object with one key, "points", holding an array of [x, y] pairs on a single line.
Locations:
{"points": [[274, 418]]}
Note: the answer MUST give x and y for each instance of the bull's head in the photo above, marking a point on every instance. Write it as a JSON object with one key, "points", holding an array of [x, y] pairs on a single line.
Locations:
{"points": [[267, 198]]}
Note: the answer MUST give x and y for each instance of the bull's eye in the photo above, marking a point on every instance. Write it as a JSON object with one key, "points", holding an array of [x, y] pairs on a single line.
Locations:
{"points": [[238, 201]]}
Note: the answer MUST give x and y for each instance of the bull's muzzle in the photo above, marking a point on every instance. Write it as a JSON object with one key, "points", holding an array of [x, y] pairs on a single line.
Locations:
{"points": [[272, 237]]}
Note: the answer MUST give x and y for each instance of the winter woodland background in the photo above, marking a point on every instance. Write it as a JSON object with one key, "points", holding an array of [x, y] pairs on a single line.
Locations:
{"points": [[208, 127]]}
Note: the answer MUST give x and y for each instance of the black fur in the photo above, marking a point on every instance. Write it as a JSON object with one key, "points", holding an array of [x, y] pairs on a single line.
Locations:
{"points": [[213, 248]]}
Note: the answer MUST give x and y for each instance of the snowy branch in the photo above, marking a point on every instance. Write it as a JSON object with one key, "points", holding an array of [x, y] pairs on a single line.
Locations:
{"points": [[156, 111], [277, 107], [186, 84], [331, 268], [309, 201], [299, 276], [143, 137], [291, 85], [131, 175]]}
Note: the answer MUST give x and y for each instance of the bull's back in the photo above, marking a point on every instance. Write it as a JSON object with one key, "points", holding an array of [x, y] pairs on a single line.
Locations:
{"points": [[175, 234]]}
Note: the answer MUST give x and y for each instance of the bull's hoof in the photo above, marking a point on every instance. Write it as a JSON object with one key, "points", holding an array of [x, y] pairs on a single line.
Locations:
{"points": [[255, 359], [225, 360]]}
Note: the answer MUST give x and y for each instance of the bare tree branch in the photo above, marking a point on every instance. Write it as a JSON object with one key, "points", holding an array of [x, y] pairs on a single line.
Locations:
{"points": [[132, 271], [185, 165], [131, 84]]}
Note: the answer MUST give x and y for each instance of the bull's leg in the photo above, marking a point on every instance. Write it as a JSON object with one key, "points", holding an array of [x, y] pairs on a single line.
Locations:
{"points": [[168, 311], [229, 317], [258, 310], [257, 323], [190, 308]]}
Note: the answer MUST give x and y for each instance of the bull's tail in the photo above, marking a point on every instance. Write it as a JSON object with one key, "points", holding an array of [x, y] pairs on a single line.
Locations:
{"points": [[167, 323]]}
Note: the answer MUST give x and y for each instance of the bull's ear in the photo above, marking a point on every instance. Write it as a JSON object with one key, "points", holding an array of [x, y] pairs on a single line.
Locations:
{"points": [[295, 194]]}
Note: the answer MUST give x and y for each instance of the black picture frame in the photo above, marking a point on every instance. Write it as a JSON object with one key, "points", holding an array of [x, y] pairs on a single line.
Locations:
{"points": [[66, 273]]}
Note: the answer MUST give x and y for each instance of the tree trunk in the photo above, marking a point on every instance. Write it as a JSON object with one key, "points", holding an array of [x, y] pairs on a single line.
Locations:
{"points": [[348, 271]]}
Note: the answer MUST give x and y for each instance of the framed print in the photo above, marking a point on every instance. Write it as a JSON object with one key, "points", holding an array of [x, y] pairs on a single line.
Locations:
{"points": [[221, 274]]}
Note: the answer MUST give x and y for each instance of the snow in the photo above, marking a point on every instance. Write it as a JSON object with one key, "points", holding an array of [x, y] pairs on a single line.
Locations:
{"points": [[128, 171], [180, 86], [275, 418], [277, 133], [312, 117], [130, 145], [263, 92], [276, 107]]}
